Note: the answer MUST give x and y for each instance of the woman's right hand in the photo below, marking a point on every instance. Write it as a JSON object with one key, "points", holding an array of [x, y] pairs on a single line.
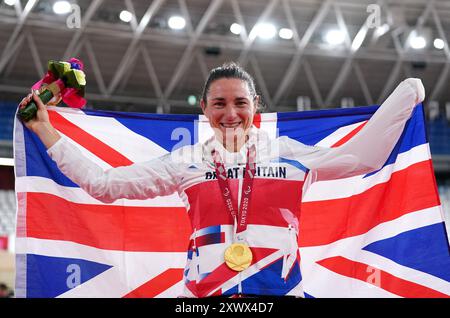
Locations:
{"points": [[40, 125], [41, 118]]}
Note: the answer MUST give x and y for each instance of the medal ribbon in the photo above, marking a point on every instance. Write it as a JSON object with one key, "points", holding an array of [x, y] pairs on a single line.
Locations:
{"points": [[247, 187]]}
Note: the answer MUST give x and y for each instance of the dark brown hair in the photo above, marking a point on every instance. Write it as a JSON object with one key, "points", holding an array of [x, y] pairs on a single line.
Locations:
{"points": [[229, 70]]}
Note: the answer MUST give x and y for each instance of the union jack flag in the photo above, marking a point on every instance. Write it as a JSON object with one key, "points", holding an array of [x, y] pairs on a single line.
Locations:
{"points": [[375, 235]]}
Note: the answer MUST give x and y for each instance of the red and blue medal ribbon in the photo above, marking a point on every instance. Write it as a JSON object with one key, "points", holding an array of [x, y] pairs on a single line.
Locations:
{"points": [[240, 216]]}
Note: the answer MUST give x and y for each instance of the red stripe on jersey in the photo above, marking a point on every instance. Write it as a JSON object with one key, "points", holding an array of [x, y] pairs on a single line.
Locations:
{"points": [[379, 278], [223, 273], [213, 281], [408, 190], [158, 284], [208, 209], [349, 135], [91, 143], [211, 238], [130, 228]]}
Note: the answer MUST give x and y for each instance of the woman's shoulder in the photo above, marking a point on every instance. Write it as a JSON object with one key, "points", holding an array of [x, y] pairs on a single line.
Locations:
{"points": [[185, 155]]}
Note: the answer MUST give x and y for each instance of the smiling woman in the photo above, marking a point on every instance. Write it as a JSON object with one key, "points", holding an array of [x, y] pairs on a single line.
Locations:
{"points": [[243, 191], [229, 101]]}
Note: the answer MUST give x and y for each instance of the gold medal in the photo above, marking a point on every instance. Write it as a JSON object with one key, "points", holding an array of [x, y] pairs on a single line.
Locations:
{"points": [[238, 256]]}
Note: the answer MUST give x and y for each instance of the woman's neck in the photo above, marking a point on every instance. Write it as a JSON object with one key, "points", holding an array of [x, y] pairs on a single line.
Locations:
{"points": [[236, 144]]}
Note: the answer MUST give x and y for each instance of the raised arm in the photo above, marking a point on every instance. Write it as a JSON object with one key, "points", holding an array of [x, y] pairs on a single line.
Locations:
{"points": [[41, 125], [369, 149], [157, 177]]}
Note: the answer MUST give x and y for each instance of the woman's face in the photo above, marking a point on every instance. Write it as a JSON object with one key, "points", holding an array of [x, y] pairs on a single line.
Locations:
{"points": [[230, 107]]}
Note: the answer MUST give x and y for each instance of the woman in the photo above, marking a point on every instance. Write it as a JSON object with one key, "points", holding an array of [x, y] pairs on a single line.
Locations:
{"points": [[242, 190]]}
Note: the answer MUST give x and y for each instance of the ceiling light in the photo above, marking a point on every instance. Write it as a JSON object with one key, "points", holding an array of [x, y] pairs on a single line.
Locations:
{"points": [[265, 30], [62, 7], [416, 41], [381, 30], [438, 44], [285, 33], [335, 37], [236, 28], [10, 2], [177, 22], [125, 16], [192, 100]]}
